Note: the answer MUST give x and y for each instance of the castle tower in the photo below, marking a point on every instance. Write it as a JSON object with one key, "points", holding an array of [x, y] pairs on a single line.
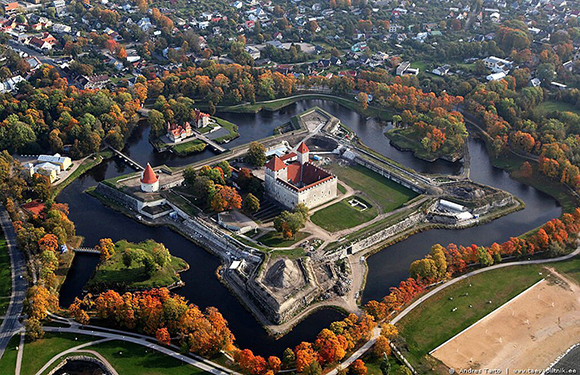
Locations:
{"points": [[275, 168], [149, 180], [303, 153]]}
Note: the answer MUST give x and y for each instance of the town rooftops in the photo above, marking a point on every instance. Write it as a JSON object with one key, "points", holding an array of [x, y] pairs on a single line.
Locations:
{"points": [[149, 176]]}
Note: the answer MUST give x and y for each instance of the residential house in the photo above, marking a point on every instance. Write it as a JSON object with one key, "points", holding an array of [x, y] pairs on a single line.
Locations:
{"points": [[496, 76], [441, 70], [11, 84], [497, 65], [64, 162]]}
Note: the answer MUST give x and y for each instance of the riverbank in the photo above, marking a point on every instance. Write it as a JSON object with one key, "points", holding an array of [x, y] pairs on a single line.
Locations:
{"points": [[88, 164]]}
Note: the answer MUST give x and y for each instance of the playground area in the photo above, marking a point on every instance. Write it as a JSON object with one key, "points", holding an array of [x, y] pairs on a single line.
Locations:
{"points": [[528, 332]]}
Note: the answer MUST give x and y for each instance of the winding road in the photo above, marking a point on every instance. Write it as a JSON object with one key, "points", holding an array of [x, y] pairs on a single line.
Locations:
{"points": [[11, 325]]}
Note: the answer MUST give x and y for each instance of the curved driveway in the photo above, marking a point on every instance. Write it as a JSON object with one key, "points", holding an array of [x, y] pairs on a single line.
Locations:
{"points": [[363, 349]]}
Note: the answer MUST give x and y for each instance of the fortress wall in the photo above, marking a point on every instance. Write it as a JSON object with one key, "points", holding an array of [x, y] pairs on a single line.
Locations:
{"points": [[387, 233]]}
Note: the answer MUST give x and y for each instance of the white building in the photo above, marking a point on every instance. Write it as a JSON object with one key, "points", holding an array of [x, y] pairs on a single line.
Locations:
{"points": [[497, 65], [149, 180], [299, 181], [64, 162]]}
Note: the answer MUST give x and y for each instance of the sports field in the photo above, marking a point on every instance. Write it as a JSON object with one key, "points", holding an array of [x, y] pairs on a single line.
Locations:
{"points": [[529, 332]]}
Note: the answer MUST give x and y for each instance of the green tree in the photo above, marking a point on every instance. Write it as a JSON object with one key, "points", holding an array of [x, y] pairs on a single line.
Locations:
{"points": [[157, 122], [251, 204], [256, 154]]}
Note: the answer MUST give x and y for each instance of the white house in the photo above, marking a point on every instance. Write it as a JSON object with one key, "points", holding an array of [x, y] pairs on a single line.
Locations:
{"points": [[497, 65], [496, 76]]}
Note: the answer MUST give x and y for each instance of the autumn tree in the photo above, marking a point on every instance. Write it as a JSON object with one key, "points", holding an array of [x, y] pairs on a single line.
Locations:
{"points": [[48, 243], [305, 355], [363, 100], [162, 336], [226, 198], [330, 347], [106, 248], [381, 347], [358, 368]]}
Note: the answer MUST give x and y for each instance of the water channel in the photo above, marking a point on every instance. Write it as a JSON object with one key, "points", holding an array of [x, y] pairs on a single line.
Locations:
{"points": [[387, 268]]}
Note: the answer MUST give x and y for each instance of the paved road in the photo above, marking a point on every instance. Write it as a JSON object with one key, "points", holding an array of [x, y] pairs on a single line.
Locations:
{"points": [[359, 353], [10, 326]]}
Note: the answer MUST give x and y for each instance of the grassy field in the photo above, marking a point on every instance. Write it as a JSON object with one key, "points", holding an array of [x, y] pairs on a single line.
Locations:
{"points": [[135, 359], [549, 106], [275, 239], [113, 272], [189, 147], [8, 361], [386, 194], [38, 352], [5, 275], [434, 322], [570, 268], [342, 215]]}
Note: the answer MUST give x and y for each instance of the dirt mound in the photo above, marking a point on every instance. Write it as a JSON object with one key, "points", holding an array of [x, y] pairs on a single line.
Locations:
{"points": [[284, 274]]}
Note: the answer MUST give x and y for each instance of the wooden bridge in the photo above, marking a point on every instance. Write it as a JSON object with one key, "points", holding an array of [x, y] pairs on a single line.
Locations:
{"points": [[89, 250], [210, 143], [128, 160]]}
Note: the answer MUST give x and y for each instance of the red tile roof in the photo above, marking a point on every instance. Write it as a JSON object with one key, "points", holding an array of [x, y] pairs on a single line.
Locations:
{"points": [[288, 156], [302, 148], [275, 164], [149, 176]]}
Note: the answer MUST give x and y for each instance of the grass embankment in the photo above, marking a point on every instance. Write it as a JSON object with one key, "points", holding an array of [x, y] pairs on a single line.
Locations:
{"points": [[551, 106], [87, 164], [126, 358], [5, 275], [189, 147], [275, 239], [230, 127], [406, 140], [113, 273], [384, 193], [342, 215], [277, 104], [434, 322]]}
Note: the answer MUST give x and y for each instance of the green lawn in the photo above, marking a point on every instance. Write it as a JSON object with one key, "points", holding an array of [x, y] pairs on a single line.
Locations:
{"points": [[138, 360], [113, 272], [189, 147], [570, 268], [550, 106], [5, 276], [275, 239], [342, 215], [37, 353], [8, 361], [341, 188], [434, 322], [386, 194], [135, 359]]}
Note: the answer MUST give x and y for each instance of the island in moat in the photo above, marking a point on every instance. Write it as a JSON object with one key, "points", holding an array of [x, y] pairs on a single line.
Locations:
{"points": [[292, 218]]}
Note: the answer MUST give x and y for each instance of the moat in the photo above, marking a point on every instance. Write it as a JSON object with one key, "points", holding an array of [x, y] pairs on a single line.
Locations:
{"points": [[386, 268]]}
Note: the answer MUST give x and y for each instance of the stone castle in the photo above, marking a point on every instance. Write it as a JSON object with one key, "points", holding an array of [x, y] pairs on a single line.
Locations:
{"points": [[292, 179]]}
